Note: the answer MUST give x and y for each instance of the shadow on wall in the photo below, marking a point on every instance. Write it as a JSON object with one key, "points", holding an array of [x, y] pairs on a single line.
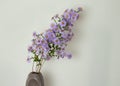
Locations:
{"points": [[47, 79]]}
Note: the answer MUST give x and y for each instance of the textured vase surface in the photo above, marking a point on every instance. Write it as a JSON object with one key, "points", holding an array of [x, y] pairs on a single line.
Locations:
{"points": [[35, 79]]}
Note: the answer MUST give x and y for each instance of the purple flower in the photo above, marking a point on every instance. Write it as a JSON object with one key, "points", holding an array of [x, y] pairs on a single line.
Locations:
{"points": [[57, 41], [44, 54], [79, 9], [30, 49], [34, 34], [53, 25], [53, 42], [70, 35], [74, 16], [63, 23], [66, 10], [71, 16], [28, 59], [64, 34], [34, 47], [38, 41], [44, 44], [66, 16], [61, 53], [37, 51], [69, 28], [62, 47], [68, 55], [56, 30], [49, 35]]}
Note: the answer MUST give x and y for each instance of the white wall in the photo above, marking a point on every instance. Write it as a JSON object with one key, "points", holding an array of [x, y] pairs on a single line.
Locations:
{"points": [[95, 47]]}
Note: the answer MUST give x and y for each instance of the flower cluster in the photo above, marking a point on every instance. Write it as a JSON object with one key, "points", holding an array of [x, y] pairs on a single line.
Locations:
{"points": [[52, 42]]}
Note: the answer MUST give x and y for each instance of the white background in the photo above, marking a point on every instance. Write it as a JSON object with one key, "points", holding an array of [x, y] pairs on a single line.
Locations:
{"points": [[95, 46]]}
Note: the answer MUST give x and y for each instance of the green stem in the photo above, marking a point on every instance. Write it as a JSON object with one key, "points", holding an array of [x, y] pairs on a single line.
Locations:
{"points": [[55, 20]]}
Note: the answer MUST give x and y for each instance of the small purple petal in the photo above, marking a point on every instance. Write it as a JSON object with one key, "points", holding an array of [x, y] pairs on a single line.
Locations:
{"points": [[57, 41], [61, 53], [53, 25], [28, 59], [68, 55], [79, 9], [30, 49], [38, 51], [66, 16], [63, 23], [34, 34]]}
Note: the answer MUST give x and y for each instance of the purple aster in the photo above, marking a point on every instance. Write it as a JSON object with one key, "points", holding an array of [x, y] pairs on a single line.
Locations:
{"points": [[46, 49], [69, 28], [64, 34], [74, 16], [62, 47], [38, 41], [53, 25], [63, 23], [34, 34], [45, 35], [45, 53], [70, 23], [44, 43], [79, 9], [56, 41], [70, 35], [68, 55], [49, 35], [66, 10], [61, 53], [34, 47], [28, 59], [69, 11], [66, 16], [37, 51], [70, 15], [30, 49], [56, 30], [44, 46]]}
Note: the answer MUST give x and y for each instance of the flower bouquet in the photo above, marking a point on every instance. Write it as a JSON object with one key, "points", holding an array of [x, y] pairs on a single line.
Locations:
{"points": [[52, 43]]}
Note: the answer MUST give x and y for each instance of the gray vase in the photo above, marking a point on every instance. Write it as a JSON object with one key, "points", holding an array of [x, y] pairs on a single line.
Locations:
{"points": [[35, 79]]}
